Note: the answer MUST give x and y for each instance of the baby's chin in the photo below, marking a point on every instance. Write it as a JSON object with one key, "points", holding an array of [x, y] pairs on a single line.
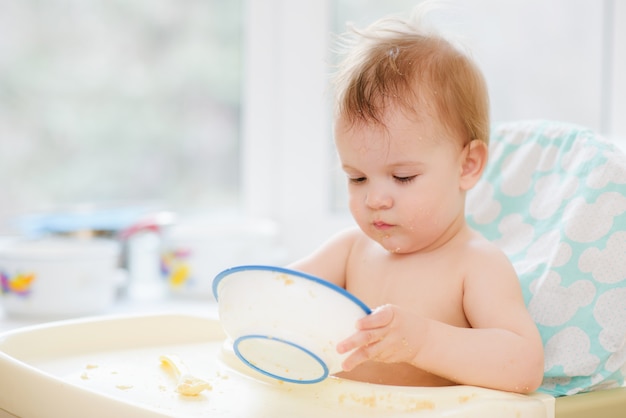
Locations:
{"points": [[391, 247], [395, 247], [390, 243]]}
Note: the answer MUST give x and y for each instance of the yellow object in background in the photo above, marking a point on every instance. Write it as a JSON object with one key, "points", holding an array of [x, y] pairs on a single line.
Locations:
{"points": [[174, 267], [179, 275], [19, 284]]}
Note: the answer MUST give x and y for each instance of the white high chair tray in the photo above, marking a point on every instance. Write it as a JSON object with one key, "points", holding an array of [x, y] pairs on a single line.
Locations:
{"points": [[110, 366]]}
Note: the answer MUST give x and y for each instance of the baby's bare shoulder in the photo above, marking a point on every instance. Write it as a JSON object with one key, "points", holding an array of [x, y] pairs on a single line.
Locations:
{"points": [[481, 246], [492, 285], [484, 258]]}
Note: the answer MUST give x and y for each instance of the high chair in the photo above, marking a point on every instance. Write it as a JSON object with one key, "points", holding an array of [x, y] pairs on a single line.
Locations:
{"points": [[553, 197]]}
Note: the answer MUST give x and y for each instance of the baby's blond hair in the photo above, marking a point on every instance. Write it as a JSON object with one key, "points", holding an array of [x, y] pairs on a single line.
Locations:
{"points": [[395, 62]]}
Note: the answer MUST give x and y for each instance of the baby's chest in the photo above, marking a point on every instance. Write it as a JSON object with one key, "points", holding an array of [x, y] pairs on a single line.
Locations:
{"points": [[432, 291]]}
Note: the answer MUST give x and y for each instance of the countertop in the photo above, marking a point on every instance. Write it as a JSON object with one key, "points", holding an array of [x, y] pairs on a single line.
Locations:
{"points": [[142, 298]]}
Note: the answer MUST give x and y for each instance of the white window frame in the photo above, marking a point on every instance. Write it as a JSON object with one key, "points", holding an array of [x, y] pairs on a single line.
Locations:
{"points": [[617, 85], [286, 155]]}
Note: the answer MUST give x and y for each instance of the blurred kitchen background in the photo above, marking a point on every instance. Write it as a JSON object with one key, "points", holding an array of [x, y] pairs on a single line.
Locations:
{"points": [[220, 110]]}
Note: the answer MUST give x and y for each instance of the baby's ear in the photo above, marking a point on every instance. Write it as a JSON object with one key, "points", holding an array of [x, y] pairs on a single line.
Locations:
{"points": [[473, 161]]}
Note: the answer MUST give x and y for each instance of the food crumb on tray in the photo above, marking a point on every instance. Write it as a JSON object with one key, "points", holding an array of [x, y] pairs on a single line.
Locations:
{"points": [[188, 384]]}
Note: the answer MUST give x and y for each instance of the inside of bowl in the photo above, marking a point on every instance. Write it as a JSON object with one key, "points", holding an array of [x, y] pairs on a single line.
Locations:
{"points": [[280, 359]]}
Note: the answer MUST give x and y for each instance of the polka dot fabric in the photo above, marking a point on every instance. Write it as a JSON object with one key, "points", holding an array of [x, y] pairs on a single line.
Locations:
{"points": [[553, 197]]}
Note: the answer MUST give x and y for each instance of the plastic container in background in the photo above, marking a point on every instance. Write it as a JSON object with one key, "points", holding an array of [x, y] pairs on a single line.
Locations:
{"points": [[195, 250], [56, 277], [122, 223]]}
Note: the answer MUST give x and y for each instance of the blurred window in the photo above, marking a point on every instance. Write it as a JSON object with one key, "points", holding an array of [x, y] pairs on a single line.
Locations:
{"points": [[119, 101], [150, 100]]}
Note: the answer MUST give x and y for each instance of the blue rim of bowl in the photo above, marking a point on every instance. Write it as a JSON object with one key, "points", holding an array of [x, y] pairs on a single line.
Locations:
{"points": [[228, 272], [276, 376]]}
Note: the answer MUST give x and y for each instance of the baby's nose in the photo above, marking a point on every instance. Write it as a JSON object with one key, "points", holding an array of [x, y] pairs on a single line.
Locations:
{"points": [[378, 199]]}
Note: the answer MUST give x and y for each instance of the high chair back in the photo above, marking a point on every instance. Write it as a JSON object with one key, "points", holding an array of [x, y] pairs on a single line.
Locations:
{"points": [[553, 197]]}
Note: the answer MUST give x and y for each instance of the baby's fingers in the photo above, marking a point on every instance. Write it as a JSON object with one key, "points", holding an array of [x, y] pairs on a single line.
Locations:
{"points": [[371, 329], [380, 317], [360, 339]]}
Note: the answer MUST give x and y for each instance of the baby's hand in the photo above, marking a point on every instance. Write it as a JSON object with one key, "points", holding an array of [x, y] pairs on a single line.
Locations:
{"points": [[389, 335]]}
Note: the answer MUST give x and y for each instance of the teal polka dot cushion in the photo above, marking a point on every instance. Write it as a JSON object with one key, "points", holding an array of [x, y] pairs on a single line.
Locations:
{"points": [[553, 197]]}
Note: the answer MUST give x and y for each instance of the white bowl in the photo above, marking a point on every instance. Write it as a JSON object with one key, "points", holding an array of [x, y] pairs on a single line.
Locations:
{"points": [[284, 323]]}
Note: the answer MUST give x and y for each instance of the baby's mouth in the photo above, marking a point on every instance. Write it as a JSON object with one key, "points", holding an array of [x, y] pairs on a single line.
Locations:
{"points": [[381, 226]]}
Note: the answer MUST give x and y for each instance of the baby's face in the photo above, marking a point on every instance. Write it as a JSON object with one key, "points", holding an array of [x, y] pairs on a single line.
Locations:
{"points": [[403, 180]]}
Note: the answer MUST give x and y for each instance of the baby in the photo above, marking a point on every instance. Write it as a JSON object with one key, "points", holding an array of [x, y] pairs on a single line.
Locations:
{"points": [[411, 130]]}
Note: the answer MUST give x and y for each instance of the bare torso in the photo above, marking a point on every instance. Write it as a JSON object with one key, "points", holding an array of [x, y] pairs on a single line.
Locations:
{"points": [[428, 284]]}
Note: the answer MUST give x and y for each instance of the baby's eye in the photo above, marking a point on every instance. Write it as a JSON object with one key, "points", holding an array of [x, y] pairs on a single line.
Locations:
{"points": [[357, 180], [404, 179]]}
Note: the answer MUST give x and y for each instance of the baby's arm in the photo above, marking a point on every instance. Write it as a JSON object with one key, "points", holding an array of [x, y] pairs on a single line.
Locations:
{"points": [[329, 261], [502, 350]]}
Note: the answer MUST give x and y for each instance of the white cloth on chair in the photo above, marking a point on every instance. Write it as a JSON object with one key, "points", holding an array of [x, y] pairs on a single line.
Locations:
{"points": [[553, 197]]}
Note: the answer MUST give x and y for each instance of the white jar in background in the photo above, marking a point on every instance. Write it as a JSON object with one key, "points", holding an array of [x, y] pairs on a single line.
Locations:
{"points": [[194, 251], [57, 277]]}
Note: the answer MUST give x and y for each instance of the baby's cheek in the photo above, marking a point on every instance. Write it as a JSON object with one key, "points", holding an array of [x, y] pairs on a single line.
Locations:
{"points": [[413, 223], [357, 213], [422, 218]]}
